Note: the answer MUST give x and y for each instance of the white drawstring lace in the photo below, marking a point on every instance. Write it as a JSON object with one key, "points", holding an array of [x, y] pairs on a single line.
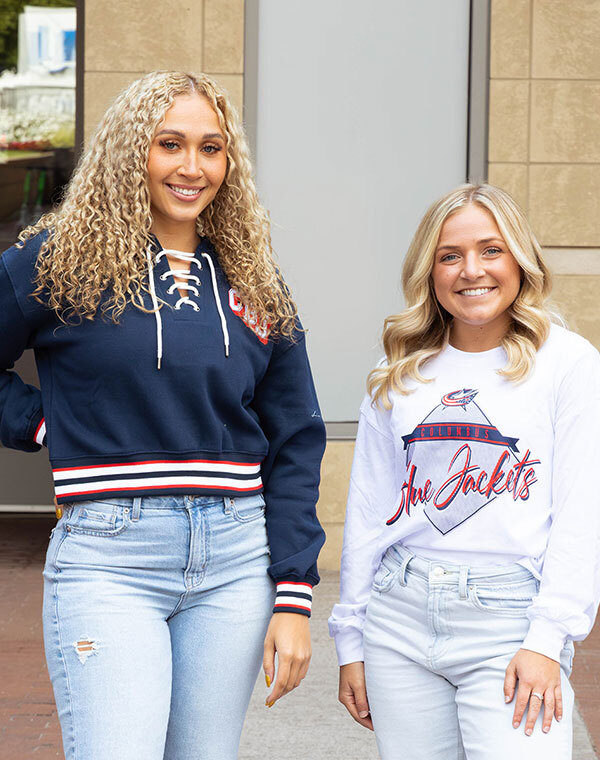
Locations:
{"points": [[184, 274], [156, 309], [187, 275], [213, 277]]}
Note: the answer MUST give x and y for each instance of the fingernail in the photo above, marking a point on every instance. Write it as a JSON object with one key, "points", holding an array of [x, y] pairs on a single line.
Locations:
{"points": [[515, 724], [545, 729], [268, 680], [270, 704], [527, 732], [363, 714], [559, 718], [507, 699]]}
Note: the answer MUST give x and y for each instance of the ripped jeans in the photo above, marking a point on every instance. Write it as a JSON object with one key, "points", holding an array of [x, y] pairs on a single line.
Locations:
{"points": [[438, 638], [155, 611]]}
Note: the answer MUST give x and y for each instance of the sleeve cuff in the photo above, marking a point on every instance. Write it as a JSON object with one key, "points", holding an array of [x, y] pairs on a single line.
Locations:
{"points": [[292, 596], [349, 646], [39, 435], [545, 637]]}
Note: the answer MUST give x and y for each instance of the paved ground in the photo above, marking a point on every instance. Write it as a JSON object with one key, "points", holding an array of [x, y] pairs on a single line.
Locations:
{"points": [[309, 723]]}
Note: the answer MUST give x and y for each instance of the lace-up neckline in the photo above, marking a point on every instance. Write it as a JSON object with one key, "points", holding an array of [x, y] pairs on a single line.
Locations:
{"points": [[182, 274], [191, 285]]}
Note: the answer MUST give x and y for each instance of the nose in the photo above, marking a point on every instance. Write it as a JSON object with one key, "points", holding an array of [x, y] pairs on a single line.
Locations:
{"points": [[472, 267], [191, 165]]}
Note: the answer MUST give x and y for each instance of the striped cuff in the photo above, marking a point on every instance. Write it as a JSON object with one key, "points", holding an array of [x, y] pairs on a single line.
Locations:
{"points": [[293, 597], [40, 433]]}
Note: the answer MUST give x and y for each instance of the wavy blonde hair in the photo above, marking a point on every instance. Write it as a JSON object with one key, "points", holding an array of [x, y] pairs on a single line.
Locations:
{"points": [[98, 236], [422, 330]]}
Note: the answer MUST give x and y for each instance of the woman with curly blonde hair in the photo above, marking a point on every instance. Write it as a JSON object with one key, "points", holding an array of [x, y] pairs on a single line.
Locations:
{"points": [[470, 549], [184, 434]]}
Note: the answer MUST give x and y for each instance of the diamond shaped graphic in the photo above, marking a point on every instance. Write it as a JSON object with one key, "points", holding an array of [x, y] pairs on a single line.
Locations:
{"points": [[455, 456]]}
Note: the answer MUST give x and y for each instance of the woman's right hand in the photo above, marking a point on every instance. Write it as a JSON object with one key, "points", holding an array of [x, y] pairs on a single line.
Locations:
{"points": [[353, 693]]}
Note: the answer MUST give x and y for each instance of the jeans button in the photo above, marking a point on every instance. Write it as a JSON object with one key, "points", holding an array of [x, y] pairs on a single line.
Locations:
{"points": [[438, 572]]}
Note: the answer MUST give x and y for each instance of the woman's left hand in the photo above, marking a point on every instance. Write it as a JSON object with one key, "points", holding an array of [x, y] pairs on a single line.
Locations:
{"points": [[288, 635], [537, 674]]}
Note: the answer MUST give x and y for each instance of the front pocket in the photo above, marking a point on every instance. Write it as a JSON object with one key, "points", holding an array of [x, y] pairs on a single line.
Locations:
{"points": [[96, 518], [247, 509], [512, 602], [386, 574]]}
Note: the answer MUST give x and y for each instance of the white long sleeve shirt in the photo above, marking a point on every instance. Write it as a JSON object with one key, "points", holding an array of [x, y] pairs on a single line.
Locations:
{"points": [[472, 468]]}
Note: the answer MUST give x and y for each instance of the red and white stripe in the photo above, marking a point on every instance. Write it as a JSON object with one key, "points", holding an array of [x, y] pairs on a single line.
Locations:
{"points": [[295, 595], [157, 474], [40, 432]]}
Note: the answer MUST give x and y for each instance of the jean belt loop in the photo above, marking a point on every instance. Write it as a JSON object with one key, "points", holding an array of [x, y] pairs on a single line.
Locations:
{"points": [[137, 506], [462, 581], [403, 566]]}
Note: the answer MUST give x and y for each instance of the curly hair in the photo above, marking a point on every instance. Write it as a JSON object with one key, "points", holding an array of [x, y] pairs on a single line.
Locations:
{"points": [[422, 330], [98, 236]]}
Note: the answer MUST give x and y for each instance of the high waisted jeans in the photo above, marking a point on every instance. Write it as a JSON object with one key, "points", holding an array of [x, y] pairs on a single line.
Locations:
{"points": [[155, 611], [438, 638]]}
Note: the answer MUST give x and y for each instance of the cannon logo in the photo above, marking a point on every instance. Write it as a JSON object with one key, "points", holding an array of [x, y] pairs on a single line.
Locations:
{"points": [[457, 462]]}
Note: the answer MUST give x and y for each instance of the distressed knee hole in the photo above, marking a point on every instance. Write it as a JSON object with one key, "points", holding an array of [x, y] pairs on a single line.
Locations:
{"points": [[85, 648]]}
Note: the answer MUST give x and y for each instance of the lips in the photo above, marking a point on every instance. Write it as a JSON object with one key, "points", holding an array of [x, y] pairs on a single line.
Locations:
{"points": [[185, 192], [472, 292]]}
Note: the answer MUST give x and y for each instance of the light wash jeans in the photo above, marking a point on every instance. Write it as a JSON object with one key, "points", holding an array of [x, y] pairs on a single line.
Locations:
{"points": [[438, 638], [155, 611]]}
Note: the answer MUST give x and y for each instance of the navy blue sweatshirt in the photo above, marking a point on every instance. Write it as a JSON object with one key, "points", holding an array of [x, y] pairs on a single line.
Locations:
{"points": [[230, 412]]}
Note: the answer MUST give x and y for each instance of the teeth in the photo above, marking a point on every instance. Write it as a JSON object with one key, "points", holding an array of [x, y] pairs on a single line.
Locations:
{"points": [[475, 291], [185, 191]]}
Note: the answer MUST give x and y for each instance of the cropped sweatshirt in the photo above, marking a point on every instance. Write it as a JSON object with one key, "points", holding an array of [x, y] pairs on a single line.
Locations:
{"points": [[474, 469], [197, 398]]}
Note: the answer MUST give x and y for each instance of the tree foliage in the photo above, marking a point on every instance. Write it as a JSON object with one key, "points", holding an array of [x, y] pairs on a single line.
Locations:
{"points": [[9, 25]]}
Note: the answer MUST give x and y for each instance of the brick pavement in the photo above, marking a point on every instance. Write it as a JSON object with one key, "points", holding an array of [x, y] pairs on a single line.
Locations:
{"points": [[586, 682], [28, 722]]}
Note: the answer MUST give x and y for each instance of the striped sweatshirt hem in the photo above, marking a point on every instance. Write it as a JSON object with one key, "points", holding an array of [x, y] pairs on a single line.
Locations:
{"points": [[153, 474]]}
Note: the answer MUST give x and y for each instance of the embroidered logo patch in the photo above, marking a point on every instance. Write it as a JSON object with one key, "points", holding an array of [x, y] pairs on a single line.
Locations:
{"points": [[458, 461], [249, 317]]}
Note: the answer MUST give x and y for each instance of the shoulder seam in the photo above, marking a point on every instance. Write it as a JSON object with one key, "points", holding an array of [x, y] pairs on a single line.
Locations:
{"points": [[376, 428]]}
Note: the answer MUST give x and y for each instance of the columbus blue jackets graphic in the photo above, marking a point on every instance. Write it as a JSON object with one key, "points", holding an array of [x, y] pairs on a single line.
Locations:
{"points": [[458, 461]]}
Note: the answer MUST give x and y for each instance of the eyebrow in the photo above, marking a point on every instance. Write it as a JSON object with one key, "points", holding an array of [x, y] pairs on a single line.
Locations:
{"points": [[480, 242], [207, 136]]}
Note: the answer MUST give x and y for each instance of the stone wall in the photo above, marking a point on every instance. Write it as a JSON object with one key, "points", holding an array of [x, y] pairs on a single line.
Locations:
{"points": [[125, 40], [544, 138]]}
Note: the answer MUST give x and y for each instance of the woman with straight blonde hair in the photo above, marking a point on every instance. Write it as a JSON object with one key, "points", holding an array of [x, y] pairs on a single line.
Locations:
{"points": [[183, 429], [470, 549]]}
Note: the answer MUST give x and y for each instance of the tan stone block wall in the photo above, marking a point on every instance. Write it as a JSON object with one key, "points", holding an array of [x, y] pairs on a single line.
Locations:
{"points": [[125, 40], [331, 507], [544, 127], [576, 297], [544, 138]]}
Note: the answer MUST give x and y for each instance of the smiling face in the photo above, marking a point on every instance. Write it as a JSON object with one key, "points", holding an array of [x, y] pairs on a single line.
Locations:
{"points": [[475, 278], [187, 163]]}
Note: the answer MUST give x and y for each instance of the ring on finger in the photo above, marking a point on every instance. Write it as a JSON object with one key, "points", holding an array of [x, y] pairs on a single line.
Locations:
{"points": [[538, 695]]}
